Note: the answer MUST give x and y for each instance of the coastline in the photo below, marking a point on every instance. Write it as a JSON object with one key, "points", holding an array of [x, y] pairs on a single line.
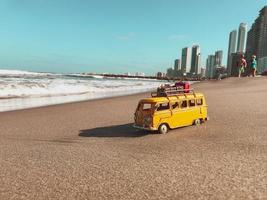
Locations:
{"points": [[37, 102], [21, 89], [89, 150], [73, 101]]}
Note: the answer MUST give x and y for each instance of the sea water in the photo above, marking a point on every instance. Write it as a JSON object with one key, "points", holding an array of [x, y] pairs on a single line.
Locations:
{"points": [[22, 89]]}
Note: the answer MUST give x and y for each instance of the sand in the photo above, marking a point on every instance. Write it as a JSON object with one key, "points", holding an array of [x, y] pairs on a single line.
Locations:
{"points": [[89, 150]]}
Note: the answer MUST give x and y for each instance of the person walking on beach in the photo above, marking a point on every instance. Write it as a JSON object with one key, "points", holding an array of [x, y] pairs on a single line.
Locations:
{"points": [[242, 65], [253, 66]]}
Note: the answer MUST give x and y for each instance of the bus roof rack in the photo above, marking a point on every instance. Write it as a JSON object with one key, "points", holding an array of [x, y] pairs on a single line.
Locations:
{"points": [[171, 91]]}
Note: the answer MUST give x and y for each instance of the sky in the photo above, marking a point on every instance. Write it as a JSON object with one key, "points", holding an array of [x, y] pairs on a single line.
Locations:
{"points": [[115, 36]]}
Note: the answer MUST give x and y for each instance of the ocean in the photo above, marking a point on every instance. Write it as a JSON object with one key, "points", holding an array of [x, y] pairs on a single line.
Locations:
{"points": [[23, 89]]}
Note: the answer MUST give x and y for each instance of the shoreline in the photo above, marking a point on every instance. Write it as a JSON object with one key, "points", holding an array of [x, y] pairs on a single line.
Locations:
{"points": [[37, 99], [21, 92], [72, 102], [78, 102]]}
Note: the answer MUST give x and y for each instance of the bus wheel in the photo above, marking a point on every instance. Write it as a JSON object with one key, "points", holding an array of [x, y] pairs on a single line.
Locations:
{"points": [[197, 122], [163, 129]]}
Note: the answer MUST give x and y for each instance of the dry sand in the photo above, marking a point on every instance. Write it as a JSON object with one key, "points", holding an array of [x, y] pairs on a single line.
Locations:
{"points": [[89, 150]]}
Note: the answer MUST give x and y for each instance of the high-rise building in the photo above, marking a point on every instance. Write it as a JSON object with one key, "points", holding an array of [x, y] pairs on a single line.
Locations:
{"points": [[218, 58], [177, 64], [170, 72], [231, 49], [198, 64], [210, 66], [160, 74], [203, 72], [232, 42], [195, 60], [186, 60], [257, 40], [242, 33], [251, 42]]}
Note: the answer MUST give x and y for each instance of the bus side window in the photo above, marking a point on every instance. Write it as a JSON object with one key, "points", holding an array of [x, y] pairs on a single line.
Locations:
{"points": [[199, 102], [163, 106], [184, 104], [192, 103], [175, 105]]}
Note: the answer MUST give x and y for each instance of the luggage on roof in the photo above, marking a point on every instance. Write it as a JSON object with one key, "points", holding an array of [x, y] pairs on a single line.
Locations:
{"points": [[170, 90]]}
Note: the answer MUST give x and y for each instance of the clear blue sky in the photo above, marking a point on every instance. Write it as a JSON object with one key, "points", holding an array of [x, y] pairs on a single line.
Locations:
{"points": [[115, 35]]}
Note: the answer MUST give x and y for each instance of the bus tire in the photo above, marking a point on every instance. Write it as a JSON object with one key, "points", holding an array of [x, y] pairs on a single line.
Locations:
{"points": [[197, 122], [163, 129]]}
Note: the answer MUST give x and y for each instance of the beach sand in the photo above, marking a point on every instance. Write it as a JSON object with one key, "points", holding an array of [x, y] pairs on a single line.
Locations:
{"points": [[89, 150]]}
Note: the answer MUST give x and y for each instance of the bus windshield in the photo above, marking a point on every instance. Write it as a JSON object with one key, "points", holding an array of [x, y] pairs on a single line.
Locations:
{"points": [[146, 106]]}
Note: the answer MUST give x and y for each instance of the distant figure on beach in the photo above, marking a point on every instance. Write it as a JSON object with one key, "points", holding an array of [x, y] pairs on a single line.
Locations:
{"points": [[242, 65], [253, 66]]}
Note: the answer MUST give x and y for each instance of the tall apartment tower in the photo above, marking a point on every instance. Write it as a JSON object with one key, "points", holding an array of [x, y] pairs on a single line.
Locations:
{"points": [[218, 58], [195, 60], [251, 48], [198, 71], [231, 49], [186, 60], [177, 64], [257, 40], [242, 33], [210, 66]]}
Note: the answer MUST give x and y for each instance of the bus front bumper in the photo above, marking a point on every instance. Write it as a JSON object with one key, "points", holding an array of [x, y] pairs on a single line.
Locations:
{"points": [[145, 128]]}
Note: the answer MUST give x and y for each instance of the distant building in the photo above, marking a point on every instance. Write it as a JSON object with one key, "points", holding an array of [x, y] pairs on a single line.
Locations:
{"points": [[218, 58], [231, 49], [203, 73], [170, 72], [195, 61], [252, 42], [161, 74], [262, 64], [242, 33], [210, 66], [198, 63], [177, 64], [139, 74], [186, 60], [257, 40]]}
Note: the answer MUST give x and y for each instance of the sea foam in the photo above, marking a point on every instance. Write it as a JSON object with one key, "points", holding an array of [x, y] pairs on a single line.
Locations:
{"points": [[22, 89]]}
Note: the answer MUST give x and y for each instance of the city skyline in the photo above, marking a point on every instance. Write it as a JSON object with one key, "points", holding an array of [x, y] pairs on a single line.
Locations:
{"points": [[188, 63], [112, 37]]}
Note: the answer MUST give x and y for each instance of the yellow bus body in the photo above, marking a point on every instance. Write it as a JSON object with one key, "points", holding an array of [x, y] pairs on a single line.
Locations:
{"points": [[173, 111]]}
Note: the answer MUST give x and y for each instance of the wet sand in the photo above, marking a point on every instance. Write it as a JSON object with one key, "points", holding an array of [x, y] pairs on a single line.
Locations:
{"points": [[89, 150]]}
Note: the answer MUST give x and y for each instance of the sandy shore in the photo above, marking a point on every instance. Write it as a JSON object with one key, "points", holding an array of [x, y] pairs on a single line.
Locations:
{"points": [[89, 150]]}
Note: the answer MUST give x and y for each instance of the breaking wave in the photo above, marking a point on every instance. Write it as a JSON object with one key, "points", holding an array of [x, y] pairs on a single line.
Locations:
{"points": [[22, 89]]}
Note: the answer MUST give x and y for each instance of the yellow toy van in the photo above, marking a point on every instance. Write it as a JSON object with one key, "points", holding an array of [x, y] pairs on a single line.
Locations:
{"points": [[170, 110]]}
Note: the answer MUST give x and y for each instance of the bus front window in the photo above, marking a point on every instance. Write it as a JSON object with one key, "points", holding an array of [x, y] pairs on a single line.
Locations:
{"points": [[147, 106]]}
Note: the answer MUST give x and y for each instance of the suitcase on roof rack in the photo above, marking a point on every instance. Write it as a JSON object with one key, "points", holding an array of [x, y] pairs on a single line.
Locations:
{"points": [[185, 85]]}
